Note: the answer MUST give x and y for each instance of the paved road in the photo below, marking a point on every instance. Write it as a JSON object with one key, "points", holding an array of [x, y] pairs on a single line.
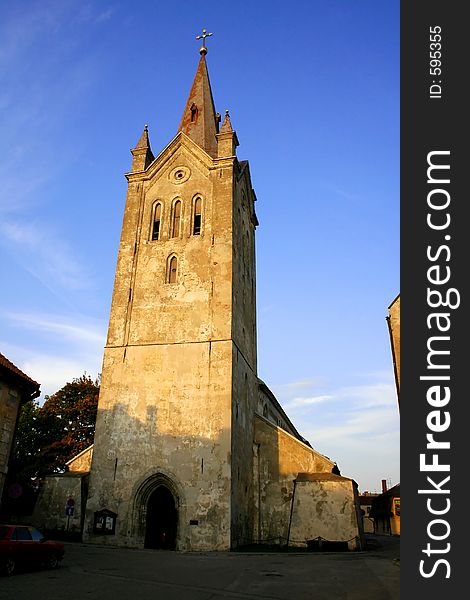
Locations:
{"points": [[91, 572]]}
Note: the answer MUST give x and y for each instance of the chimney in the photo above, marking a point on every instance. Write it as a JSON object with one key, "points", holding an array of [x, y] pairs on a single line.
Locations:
{"points": [[384, 486]]}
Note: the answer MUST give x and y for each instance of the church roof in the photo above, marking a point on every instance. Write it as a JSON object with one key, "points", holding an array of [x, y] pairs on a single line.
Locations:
{"points": [[199, 120]]}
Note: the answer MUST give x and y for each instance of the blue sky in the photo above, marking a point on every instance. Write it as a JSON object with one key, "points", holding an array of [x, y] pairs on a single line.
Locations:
{"points": [[313, 93]]}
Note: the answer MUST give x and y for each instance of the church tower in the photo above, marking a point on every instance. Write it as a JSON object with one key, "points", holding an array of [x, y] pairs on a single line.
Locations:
{"points": [[172, 460]]}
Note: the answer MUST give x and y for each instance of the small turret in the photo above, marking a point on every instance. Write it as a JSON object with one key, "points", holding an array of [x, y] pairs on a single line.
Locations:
{"points": [[142, 153], [227, 140]]}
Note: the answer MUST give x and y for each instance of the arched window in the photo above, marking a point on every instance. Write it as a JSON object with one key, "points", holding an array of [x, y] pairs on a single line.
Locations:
{"points": [[197, 222], [172, 269], [157, 217], [175, 227]]}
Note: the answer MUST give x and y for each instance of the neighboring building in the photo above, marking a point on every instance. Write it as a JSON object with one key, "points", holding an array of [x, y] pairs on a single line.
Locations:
{"points": [[62, 497], [365, 501], [393, 321], [16, 388], [385, 511], [192, 451]]}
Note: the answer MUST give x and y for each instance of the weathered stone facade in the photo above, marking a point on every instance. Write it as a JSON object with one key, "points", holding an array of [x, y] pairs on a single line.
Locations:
{"points": [[183, 457], [62, 491], [61, 502], [326, 506], [16, 388]]}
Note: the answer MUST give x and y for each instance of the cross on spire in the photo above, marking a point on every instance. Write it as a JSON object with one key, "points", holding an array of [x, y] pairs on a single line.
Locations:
{"points": [[203, 49]]}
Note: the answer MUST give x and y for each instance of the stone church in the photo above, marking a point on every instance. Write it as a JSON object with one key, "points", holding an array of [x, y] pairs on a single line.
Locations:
{"points": [[192, 451]]}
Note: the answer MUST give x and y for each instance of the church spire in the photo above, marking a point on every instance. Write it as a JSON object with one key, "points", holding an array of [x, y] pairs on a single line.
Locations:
{"points": [[200, 121]]}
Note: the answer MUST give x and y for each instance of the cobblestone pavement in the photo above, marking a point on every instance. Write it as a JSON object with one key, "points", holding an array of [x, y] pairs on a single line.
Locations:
{"points": [[93, 572]]}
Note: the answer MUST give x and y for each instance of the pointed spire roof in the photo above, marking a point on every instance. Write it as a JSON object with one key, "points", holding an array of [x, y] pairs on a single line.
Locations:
{"points": [[200, 121], [144, 139], [227, 124], [142, 153], [227, 140]]}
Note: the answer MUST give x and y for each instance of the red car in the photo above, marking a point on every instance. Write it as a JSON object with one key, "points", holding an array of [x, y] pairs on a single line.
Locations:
{"points": [[23, 545]]}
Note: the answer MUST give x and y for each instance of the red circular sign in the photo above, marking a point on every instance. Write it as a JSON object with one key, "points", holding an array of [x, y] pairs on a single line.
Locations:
{"points": [[15, 490]]}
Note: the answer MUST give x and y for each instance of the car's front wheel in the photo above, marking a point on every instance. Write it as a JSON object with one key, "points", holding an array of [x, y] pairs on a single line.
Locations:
{"points": [[53, 561], [9, 565]]}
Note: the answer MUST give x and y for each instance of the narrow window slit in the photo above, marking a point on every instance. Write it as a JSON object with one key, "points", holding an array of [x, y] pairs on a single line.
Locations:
{"points": [[176, 219], [156, 222], [197, 217], [172, 270]]}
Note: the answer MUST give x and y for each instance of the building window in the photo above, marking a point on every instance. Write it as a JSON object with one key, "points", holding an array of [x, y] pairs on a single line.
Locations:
{"points": [[172, 269], [157, 217], [175, 227], [396, 504], [194, 111], [197, 216]]}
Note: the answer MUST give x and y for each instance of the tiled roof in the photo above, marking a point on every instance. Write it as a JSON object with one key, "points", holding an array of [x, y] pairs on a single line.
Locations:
{"points": [[9, 366]]}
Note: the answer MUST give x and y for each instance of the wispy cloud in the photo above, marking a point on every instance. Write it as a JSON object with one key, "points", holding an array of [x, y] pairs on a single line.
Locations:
{"points": [[302, 402], [378, 391], [367, 425], [346, 194], [287, 390], [355, 413], [89, 13], [65, 348], [23, 28], [53, 372], [86, 333], [360, 430], [37, 101], [44, 254], [371, 395], [18, 33]]}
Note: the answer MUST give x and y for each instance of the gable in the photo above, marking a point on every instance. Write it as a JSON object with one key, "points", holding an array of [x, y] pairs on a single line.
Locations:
{"points": [[180, 148]]}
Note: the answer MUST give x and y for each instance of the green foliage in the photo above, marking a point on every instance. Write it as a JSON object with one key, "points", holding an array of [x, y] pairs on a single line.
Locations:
{"points": [[50, 435]]}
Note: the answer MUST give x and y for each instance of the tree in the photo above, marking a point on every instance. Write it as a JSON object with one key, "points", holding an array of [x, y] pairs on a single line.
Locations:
{"points": [[26, 441], [70, 416], [46, 438], [50, 435]]}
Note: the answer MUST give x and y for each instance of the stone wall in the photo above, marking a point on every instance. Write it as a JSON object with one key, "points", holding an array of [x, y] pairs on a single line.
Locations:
{"points": [[245, 385], [57, 490], [326, 506], [81, 462], [278, 459], [9, 407]]}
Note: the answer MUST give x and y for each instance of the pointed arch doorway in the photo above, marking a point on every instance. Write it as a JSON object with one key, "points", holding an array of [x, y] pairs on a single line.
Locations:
{"points": [[162, 519]]}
